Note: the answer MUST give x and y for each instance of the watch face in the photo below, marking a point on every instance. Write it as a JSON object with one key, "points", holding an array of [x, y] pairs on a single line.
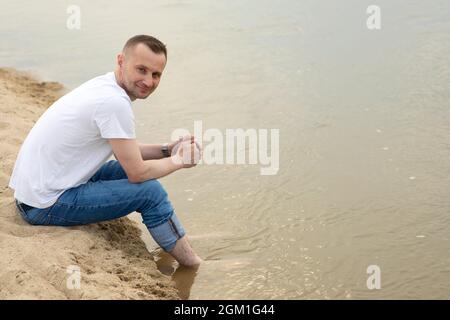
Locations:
{"points": [[165, 150]]}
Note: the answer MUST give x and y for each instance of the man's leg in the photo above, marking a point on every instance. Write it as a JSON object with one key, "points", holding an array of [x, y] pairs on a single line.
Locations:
{"points": [[182, 252], [109, 195]]}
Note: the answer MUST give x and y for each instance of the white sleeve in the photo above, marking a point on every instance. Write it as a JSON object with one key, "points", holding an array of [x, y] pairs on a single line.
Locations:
{"points": [[115, 119]]}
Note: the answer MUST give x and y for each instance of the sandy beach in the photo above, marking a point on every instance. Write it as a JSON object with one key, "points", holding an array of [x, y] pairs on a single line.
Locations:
{"points": [[113, 260]]}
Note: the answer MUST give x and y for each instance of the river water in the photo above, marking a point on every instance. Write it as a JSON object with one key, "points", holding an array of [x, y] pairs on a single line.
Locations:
{"points": [[363, 120]]}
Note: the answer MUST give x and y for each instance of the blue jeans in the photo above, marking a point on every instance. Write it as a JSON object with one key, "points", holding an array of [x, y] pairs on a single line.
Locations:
{"points": [[109, 195]]}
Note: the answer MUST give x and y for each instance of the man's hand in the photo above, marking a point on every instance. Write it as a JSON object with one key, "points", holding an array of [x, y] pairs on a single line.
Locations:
{"points": [[187, 153], [173, 147]]}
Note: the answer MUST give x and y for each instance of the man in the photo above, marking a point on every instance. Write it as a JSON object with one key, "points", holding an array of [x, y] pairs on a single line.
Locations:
{"points": [[60, 176]]}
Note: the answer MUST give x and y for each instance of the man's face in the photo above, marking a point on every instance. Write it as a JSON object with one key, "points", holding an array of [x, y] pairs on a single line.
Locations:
{"points": [[140, 71]]}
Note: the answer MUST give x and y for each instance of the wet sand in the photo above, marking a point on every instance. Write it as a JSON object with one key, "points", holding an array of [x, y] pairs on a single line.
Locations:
{"points": [[113, 260]]}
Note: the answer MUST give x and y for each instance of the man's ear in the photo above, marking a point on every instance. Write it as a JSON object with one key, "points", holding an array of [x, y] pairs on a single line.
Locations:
{"points": [[120, 59]]}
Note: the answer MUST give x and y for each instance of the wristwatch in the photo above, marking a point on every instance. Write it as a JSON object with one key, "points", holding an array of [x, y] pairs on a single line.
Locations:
{"points": [[165, 150]]}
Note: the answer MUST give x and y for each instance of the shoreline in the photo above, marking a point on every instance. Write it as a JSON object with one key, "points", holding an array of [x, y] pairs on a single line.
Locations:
{"points": [[36, 262]]}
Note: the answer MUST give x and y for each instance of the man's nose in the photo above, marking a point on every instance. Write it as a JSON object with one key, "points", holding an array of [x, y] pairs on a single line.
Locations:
{"points": [[149, 82]]}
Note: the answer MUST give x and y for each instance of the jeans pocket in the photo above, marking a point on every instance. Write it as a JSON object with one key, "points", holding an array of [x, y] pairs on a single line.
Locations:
{"points": [[38, 216], [23, 214]]}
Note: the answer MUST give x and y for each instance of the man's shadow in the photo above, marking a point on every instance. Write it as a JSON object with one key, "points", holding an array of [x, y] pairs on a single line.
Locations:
{"points": [[182, 276]]}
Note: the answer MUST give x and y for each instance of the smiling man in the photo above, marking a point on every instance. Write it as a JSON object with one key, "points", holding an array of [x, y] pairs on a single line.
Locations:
{"points": [[61, 176]]}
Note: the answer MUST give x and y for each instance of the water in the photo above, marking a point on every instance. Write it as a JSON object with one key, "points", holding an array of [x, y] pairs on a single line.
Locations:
{"points": [[364, 125]]}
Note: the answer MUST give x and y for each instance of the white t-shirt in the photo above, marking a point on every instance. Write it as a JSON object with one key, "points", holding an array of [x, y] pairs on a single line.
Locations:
{"points": [[68, 143]]}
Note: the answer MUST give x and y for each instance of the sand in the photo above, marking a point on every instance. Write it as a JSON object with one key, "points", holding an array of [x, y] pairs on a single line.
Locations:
{"points": [[36, 261]]}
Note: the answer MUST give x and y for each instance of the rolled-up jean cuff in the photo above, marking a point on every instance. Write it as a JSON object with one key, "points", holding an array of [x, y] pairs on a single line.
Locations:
{"points": [[167, 234], [158, 214]]}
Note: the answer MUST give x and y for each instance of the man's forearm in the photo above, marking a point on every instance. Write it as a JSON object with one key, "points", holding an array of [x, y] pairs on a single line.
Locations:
{"points": [[155, 169], [150, 151]]}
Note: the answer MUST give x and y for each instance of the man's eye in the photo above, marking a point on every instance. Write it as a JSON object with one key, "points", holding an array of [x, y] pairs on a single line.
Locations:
{"points": [[142, 70]]}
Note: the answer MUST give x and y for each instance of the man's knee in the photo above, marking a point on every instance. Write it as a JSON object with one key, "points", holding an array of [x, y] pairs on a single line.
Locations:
{"points": [[154, 187]]}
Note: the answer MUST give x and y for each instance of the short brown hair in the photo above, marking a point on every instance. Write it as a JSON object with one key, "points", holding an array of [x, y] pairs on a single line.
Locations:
{"points": [[151, 42]]}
